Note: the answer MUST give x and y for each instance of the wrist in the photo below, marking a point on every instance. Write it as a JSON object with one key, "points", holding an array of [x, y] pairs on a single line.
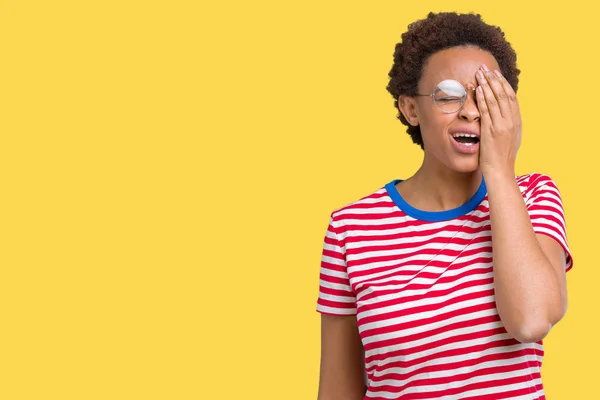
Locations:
{"points": [[491, 174]]}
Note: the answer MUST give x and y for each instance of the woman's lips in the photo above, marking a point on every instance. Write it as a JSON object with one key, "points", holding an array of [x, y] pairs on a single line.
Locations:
{"points": [[465, 148]]}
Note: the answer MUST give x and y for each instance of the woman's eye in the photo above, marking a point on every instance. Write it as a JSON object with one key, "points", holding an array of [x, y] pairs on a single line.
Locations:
{"points": [[449, 99]]}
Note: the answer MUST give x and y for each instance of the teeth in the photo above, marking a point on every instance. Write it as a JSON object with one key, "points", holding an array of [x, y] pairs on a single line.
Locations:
{"points": [[463, 135]]}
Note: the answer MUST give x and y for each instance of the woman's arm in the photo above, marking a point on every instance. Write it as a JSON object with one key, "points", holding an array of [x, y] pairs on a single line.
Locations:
{"points": [[342, 359], [529, 268]]}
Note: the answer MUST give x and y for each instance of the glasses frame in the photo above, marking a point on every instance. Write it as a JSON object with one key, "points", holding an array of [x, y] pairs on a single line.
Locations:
{"points": [[464, 96]]}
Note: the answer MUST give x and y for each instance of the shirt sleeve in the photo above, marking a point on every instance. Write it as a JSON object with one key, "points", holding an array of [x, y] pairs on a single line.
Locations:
{"points": [[335, 293], [545, 208]]}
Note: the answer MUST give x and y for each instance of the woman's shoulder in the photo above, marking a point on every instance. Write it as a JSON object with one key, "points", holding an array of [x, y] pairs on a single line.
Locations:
{"points": [[376, 201], [532, 180], [535, 183]]}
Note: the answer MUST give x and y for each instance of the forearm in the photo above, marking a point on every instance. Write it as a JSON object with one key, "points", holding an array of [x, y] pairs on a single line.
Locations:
{"points": [[342, 371], [527, 288], [342, 394]]}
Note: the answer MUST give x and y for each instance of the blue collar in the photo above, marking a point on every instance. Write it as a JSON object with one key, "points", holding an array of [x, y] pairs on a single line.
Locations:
{"points": [[435, 216]]}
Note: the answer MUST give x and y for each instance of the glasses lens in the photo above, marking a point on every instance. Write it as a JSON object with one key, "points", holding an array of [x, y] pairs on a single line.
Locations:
{"points": [[449, 96]]}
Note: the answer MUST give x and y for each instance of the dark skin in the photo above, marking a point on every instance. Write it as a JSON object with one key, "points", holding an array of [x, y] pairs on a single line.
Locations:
{"points": [[342, 359], [529, 274]]}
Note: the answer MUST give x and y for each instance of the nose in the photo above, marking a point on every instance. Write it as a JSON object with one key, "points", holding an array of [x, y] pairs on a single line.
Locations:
{"points": [[469, 111]]}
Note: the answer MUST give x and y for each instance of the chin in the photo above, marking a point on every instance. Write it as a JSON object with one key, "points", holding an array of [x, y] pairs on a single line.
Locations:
{"points": [[466, 165]]}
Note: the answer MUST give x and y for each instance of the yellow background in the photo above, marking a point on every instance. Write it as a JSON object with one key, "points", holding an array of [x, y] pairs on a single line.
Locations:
{"points": [[168, 169]]}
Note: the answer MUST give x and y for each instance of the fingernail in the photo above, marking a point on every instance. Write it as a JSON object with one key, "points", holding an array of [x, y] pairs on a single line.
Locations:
{"points": [[485, 68], [498, 74], [480, 75]]}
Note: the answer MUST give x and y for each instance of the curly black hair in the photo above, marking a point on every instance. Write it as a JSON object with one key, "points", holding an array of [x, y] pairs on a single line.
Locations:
{"points": [[438, 32]]}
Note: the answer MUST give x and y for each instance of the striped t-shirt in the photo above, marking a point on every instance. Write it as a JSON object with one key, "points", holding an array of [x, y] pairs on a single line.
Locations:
{"points": [[420, 284]]}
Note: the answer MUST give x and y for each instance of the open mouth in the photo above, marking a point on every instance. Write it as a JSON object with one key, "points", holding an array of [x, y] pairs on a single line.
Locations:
{"points": [[465, 138]]}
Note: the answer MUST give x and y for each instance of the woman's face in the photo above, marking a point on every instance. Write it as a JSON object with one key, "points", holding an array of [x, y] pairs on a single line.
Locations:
{"points": [[437, 128]]}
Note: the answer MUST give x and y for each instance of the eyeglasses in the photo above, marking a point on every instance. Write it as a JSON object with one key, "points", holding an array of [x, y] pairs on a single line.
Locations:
{"points": [[449, 96]]}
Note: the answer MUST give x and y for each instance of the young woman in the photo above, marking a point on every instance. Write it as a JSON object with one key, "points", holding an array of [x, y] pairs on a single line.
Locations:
{"points": [[443, 285]]}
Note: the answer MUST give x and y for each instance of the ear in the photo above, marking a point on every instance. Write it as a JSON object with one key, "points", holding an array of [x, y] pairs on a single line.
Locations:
{"points": [[408, 107]]}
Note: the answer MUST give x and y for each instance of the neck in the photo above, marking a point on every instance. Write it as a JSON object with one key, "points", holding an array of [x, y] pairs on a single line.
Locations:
{"points": [[439, 189]]}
